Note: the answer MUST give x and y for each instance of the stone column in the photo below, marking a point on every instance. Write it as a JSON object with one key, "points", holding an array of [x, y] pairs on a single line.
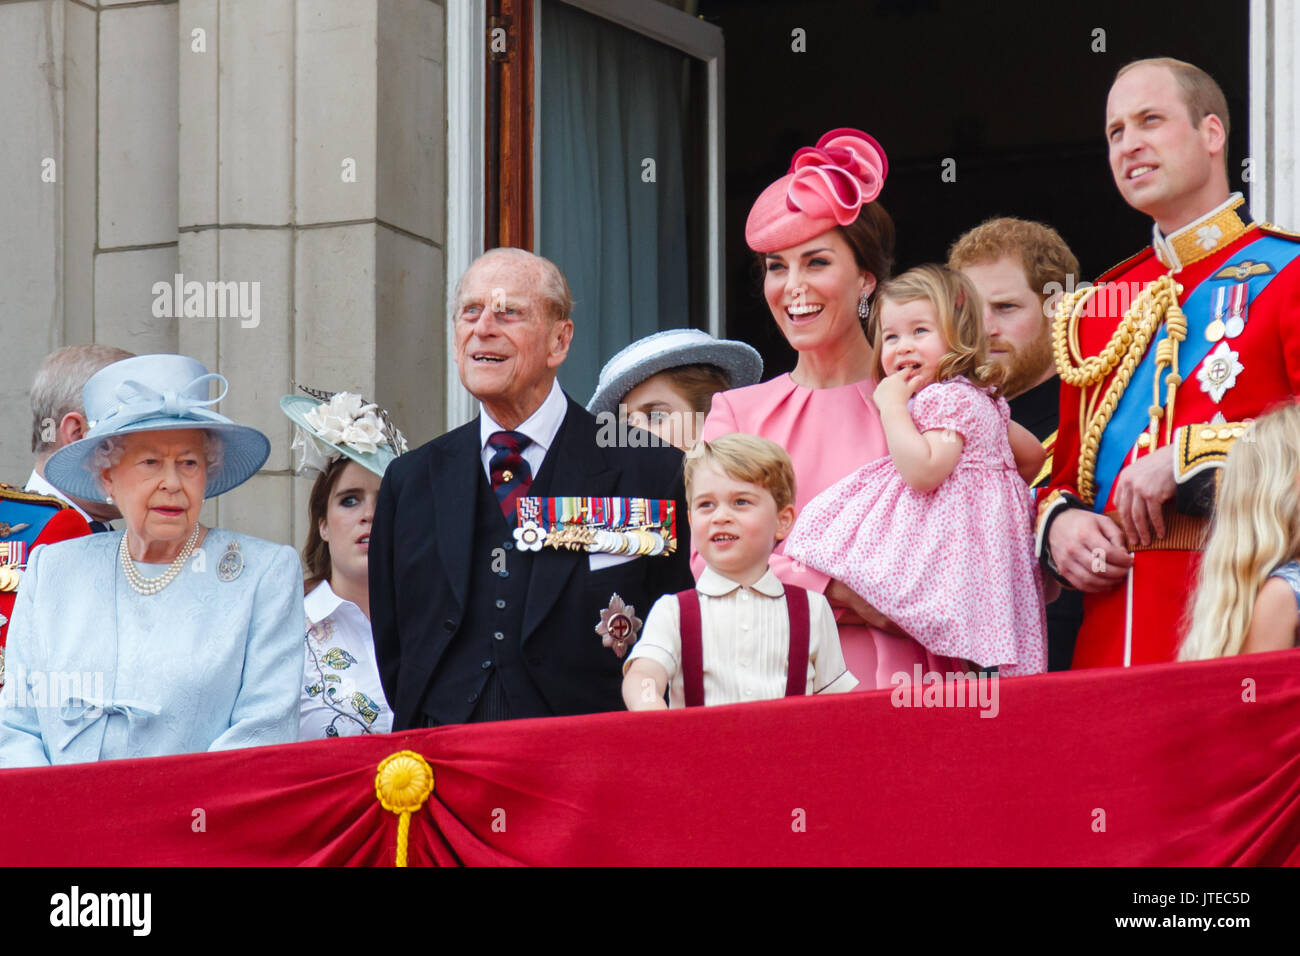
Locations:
{"points": [[1274, 99], [311, 156]]}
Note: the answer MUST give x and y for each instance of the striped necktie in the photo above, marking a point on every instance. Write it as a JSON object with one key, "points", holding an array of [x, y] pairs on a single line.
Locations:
{"points": [[511, 476]]}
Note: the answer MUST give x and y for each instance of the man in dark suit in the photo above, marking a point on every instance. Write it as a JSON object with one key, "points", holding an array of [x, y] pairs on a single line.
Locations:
{"points": [[469, 626]]}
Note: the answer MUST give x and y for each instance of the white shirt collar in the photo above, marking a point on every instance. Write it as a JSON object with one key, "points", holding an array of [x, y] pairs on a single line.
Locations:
{"points": [[36, 483], [322, 602], [717, 585], [541, 426]]}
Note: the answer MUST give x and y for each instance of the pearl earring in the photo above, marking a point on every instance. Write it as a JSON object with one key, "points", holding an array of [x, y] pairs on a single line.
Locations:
{"points": [[108, 499]]}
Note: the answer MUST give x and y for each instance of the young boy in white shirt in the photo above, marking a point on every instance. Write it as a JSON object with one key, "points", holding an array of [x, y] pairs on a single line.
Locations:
{"points": [[740, 635]]}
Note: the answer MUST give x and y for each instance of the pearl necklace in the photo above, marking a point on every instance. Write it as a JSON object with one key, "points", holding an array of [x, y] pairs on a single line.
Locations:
{"points": [[143, 585]]}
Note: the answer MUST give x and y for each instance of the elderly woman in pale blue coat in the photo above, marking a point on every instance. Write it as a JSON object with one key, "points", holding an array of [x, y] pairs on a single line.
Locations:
{"points": [[166, 637]]}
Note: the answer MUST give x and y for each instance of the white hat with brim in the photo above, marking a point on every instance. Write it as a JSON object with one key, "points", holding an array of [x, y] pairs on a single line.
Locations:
{"points": [[296, 408], [661, 351], [154, 393]]}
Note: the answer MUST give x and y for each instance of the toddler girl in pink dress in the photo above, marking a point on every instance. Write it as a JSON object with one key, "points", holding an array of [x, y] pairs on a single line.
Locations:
{"points": [[938, 535]]}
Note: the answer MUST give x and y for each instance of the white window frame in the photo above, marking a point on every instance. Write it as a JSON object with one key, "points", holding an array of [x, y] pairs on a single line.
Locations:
{"points": [[466, 49], [695, 38]]}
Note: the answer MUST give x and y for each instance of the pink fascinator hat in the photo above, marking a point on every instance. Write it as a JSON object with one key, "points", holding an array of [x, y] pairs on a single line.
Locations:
{"points": [[827, 186]]}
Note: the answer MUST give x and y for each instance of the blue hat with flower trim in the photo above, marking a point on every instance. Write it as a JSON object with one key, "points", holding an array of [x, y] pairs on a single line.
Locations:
{"points": [[154, 393], [331, 424]]}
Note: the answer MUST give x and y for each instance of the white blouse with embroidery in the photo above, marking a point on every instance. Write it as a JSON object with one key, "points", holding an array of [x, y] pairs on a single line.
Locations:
{"points": [[341, 693]]}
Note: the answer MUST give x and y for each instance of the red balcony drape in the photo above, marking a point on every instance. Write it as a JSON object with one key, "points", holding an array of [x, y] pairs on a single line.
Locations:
{"points": [[1181, 764]]}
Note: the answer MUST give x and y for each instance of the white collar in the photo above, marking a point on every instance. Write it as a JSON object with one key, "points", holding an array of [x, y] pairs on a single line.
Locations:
{"points": [[322, 602], [36, 482], [717, 585], [541, 426]]}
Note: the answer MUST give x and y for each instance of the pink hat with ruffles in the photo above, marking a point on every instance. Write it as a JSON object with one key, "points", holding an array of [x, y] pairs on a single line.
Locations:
{"points": [[827, 185]]}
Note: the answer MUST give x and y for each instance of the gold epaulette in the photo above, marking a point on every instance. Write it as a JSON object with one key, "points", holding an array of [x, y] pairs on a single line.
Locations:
{"points": [[31, 497], [1275, 230], [1198, 447]]}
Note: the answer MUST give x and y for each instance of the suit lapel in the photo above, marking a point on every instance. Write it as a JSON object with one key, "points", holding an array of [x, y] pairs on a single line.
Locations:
{"points": [[573, 466], [454, 503]]}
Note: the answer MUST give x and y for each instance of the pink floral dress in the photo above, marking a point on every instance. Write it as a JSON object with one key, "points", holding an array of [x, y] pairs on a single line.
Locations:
{"points": [[954, 567]]}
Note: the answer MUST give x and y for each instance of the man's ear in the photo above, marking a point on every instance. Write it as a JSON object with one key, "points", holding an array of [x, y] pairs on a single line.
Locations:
{"points": [[72, 427], [784, 522], [561, 339], [1216, 140]]}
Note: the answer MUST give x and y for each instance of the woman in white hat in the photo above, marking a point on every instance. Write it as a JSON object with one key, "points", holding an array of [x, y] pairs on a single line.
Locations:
{"points": [[665, 382], [347, 445], [167, 637]]}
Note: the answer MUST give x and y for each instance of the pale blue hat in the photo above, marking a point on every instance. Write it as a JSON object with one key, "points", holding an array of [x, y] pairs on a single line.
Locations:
{"points": [[661, 351], [151, 393], [375, 450]]}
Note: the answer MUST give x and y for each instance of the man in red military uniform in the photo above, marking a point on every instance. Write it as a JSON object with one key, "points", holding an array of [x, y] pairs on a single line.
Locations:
{"points": [[40, 513], [1161, 365]]}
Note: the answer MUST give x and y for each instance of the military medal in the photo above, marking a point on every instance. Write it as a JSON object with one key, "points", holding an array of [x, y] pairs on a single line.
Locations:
{"points": [[12, 552], [10, 577], [1219, 372], [598, 525], [619, 626], [6, 529], [231, 564], [1215, 330], [1236, 323]]}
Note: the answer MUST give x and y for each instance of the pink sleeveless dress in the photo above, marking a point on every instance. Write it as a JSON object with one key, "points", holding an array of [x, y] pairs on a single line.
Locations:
{"points": [[829, 433], [954, 567]]}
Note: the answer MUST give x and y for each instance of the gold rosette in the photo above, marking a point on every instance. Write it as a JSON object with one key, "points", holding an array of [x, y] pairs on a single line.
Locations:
{"points": [[402, 784]]}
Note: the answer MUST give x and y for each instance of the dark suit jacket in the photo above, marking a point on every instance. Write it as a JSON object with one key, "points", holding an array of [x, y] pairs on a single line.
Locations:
{"points": [[420, 547]]}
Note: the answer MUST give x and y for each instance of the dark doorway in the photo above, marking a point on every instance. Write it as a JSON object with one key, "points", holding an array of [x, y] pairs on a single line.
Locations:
{"points": [[1011, 91]]}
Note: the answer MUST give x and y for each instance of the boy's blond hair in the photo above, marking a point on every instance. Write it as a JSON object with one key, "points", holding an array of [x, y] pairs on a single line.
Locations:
{"points": [[748, 458]]}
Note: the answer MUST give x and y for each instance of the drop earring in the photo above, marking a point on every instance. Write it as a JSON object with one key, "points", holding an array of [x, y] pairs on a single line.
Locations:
{"points": [[864, 309]]}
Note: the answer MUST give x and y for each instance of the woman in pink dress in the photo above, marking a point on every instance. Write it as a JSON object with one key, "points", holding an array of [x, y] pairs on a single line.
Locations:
{"points": [[938, 535], [825, 244]]}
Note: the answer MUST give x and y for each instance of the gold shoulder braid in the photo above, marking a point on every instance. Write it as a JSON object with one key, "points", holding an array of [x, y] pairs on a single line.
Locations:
{"points": [[1157, 303]]}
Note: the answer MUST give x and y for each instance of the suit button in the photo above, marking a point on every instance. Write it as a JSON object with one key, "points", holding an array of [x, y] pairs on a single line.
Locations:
{"points": [[499, 636], [449, 624], [487, 665], [509, 545], [473, 697], [500, 603], [503, 574]]}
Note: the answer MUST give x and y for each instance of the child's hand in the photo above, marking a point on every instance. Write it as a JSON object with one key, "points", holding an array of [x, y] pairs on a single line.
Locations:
{"points": [[895, 390]]}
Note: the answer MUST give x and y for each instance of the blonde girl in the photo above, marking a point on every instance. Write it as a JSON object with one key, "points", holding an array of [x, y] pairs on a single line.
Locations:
{"points": [[1248, 586], [937, 534]]}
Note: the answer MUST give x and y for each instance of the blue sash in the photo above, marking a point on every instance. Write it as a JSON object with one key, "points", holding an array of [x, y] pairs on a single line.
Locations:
{"points": [[1132, 416]]}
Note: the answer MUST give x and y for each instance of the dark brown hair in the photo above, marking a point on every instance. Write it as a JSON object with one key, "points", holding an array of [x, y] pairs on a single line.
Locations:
{"points": [[697, 384], [316, 552]]}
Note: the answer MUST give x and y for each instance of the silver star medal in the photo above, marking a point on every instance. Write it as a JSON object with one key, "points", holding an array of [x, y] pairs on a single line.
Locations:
{"points": [[231, 564], [1219, 372]]}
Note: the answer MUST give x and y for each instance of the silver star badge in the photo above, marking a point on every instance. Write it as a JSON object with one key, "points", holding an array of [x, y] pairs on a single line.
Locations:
{"points": [[1219, 372]]}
